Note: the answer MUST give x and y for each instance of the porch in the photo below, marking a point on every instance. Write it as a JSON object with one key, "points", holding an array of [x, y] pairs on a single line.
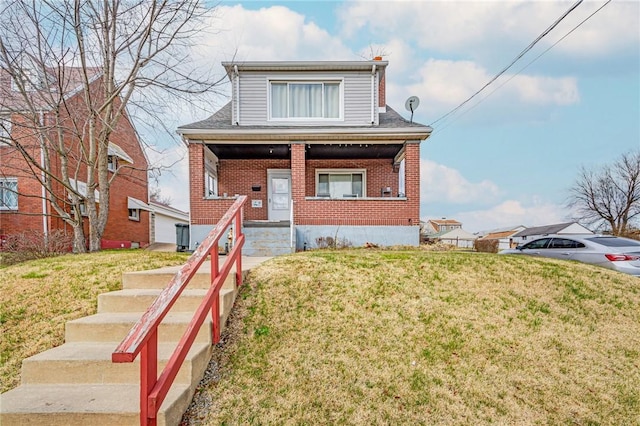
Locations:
{"points": [[301, 194]]}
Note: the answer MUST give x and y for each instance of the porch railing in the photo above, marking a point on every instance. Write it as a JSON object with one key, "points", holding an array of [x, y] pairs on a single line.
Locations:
{"points": [[143, 336], [292, 229]]}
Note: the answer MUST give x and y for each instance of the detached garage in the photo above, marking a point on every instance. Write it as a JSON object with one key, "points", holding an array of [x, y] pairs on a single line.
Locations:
{"points": [[163, 222]]}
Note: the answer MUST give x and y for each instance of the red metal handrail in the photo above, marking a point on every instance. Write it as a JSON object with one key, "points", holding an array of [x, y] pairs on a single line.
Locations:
{"points": [[143, 336]]}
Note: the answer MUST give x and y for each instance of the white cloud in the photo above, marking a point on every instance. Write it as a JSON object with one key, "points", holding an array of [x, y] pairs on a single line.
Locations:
{"points": [[439, 183], [270, 34], [469, 27], [546, 90], [512, 213], [444, 84]]}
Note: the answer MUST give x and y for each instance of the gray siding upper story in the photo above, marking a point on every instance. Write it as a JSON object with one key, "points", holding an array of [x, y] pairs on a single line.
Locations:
{"points": [[359, 91]]}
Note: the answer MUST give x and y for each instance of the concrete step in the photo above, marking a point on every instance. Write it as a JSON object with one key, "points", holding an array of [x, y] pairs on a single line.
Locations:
{"points": [[138, 300], [76, 383], [113, 327], [81, 405], [267, 240], [90, 362], [159, 278]]}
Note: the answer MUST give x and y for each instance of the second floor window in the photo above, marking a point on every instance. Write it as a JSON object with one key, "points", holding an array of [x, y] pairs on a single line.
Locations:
{"points": [[5, 126], [316, 100], [8, 194]]}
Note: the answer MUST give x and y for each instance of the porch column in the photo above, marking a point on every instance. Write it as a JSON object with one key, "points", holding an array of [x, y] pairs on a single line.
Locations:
{"points": [[412, 179], [298, 174], [196, 175]]}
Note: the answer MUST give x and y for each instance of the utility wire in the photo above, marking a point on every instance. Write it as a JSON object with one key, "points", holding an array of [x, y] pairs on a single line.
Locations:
{"points": [[528, 48], [531, 62]]}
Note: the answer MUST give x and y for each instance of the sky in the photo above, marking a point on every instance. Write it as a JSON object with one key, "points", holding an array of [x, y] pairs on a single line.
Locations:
{"points": [[509, 155]]}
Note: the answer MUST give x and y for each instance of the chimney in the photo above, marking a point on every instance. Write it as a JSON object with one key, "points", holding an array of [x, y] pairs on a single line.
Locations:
{"points": [[382, 98]]}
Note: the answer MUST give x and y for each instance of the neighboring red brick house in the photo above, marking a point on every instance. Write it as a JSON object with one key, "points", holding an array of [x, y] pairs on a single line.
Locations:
{"points": [[315, 148], [26, 206]]}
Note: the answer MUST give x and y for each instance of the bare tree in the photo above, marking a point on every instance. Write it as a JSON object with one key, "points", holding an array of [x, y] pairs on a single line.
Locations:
{"points": [[609, 196], [155, 194], [76, 68]]}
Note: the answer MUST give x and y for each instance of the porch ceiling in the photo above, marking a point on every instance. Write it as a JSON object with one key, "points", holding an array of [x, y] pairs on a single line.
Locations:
{"points": [[313, 151]]}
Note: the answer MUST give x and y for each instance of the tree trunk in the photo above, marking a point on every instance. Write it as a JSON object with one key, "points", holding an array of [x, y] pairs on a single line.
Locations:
{"points": [[79, 244]]}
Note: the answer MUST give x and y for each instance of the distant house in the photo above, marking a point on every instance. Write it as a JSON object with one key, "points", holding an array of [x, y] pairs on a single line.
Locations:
{"points": [[458, 237], [503, 235], [439, 226], [163, 222], [448, 231], [568, 228]]}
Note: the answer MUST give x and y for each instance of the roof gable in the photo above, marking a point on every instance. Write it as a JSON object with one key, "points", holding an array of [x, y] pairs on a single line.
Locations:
{"points": [[554, 229]]}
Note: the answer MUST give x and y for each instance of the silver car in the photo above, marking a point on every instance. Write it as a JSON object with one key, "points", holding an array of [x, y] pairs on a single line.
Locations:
{"points": [[620, 254]]}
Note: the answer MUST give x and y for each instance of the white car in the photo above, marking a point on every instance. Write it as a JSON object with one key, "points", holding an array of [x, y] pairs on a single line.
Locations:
{"points": [[620, 254]]}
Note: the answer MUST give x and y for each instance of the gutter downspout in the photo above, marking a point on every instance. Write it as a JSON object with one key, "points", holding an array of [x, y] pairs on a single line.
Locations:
{"points": [[237, 90], [45, 228], [373, 95]]}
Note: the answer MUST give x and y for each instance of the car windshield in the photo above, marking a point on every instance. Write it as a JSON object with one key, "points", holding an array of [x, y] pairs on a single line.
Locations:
{"points": [[615, 242]]}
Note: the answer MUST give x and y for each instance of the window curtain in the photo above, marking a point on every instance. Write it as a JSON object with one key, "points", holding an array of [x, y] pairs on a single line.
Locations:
{"points": [[279, 100], [305, 100], [331, 100], [340, 185]]}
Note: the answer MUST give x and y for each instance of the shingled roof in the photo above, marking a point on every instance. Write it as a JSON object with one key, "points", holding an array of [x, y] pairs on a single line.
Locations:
{"points": [[544, 230], [222, 120]]}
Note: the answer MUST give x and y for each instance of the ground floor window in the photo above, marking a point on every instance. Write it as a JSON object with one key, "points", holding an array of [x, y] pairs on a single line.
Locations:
{"points": [[211, 184], [134, 214], [112, 163], [8, 194], [341, 183]]}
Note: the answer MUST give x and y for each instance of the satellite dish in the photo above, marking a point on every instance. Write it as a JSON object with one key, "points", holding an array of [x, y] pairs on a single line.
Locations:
{"points": [[412, 104]]}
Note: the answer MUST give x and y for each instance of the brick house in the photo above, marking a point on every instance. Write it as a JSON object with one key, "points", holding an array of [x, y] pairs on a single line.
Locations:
{"points": [[319, 154], [440, 226], [24, 203]]}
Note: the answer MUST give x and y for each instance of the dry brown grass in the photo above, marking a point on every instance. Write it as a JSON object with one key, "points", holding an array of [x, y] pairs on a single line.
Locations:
{"points": [[412, 337], [38, 297]]}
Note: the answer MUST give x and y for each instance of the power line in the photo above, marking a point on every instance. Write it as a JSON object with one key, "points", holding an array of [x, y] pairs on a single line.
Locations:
{"points": [[533, 60], [520, 55]]}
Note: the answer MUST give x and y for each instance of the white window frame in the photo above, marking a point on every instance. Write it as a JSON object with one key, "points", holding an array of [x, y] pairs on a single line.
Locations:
{"points": [[28, 76], [3, 184], [210, 184], [5, 126], [295, 80], [363, 172], [134, 214], [112, 163], [210, 175]]}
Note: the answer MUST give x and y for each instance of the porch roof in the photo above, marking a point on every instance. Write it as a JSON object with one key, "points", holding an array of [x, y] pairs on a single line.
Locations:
{"points": [[392, 128]]}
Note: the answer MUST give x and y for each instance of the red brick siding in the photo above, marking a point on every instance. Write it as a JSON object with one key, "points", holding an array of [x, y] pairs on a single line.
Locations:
{"points": [[237, 177], [382, 89], [298, 177], [130, 183], [379, 174]]}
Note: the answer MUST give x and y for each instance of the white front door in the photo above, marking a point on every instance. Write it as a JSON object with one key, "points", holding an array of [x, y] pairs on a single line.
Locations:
{"points": [[279, 194]]}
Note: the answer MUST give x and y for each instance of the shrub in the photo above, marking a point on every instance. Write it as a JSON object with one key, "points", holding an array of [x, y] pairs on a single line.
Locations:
{"points": [[486, 246], [29, 245]]}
